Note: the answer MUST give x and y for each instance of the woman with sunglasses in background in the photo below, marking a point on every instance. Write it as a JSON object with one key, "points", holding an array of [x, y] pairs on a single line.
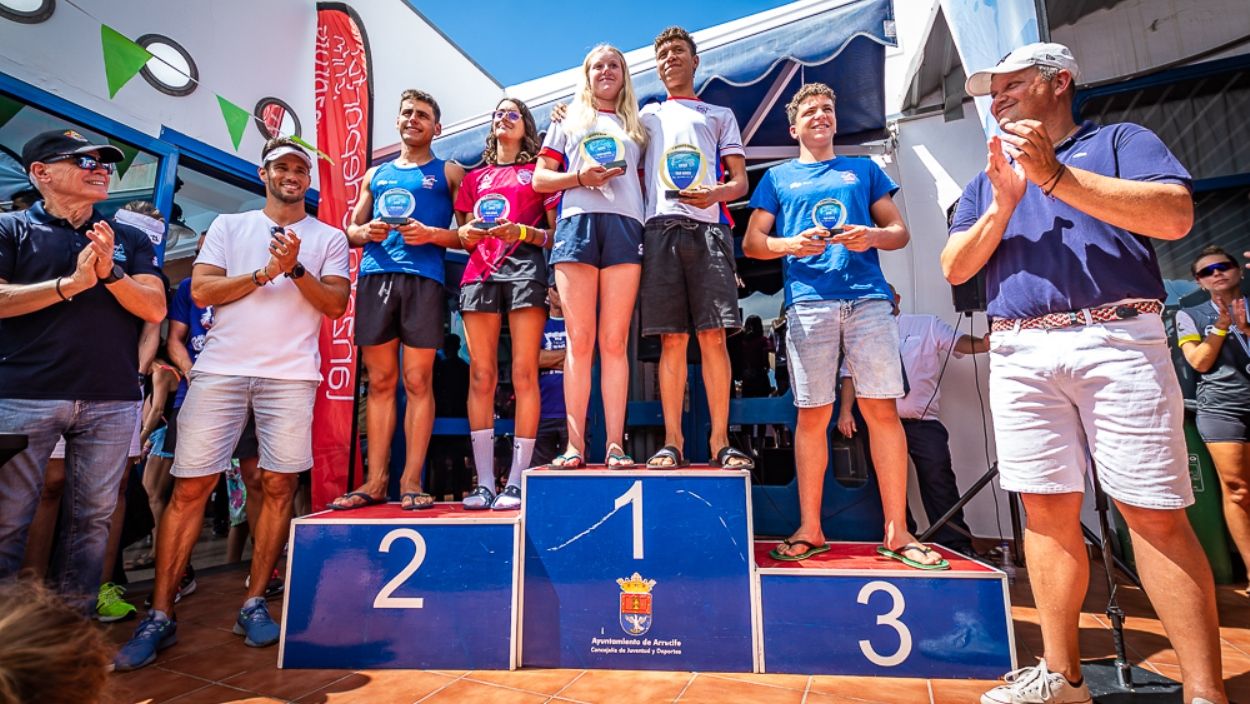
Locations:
{"points": [[1215, 339], [506, 228], [592, 156]]}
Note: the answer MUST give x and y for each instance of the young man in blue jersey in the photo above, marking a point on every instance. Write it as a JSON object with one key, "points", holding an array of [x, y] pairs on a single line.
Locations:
{"points": [[831, 215], [399, 295]]}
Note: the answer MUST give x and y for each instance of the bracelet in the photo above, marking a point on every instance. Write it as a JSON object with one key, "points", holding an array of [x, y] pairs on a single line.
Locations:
{"points": [[524, 232], [1053, 181], [255, 279], [545, 237], [579, 179], [1219, 332], [58, 289]]}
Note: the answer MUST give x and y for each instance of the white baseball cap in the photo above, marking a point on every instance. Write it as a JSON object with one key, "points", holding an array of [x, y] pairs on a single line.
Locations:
{"points": [[1037, 54], [288, 149]]}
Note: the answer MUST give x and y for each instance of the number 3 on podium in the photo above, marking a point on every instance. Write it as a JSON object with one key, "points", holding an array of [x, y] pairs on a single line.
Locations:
{"points": [[384, 600], [887, 619], [633, 496]]}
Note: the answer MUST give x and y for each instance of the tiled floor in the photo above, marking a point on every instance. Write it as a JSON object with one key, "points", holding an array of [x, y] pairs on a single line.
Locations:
{"points": [[210, 666]]}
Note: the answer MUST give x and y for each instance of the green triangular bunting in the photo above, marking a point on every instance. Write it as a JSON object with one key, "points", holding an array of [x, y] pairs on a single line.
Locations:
{"points": [[236, 120], [128, 157], [122, 58], [8, 108], [300, 141]]}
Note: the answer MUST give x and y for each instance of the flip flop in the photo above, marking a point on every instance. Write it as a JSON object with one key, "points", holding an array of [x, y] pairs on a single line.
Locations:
{"points": [[898, 555], [812, 550], [415, 505], [669, 452], [619, 460], [729, 452], [568, 460], [369, 500]]}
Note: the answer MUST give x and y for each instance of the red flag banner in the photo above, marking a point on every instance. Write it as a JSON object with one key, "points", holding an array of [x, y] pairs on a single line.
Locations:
{"points": [[343, 105]]}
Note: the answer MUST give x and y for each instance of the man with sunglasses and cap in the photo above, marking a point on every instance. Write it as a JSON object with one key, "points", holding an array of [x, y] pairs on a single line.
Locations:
{"points": [[271, 275], [1062, 220], [75, 290]]}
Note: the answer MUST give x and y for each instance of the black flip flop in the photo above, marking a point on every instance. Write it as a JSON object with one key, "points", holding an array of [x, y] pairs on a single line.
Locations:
{"points": [[414, 506], [729, 452], [370, 500], [669, 452]]}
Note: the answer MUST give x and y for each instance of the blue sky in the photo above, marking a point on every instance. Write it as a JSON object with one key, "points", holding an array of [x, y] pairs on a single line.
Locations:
{"points": [[544, 37]]}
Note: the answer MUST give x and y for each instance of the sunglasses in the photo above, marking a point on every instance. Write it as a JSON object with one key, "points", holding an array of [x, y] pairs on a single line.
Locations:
{"points": [[85, 162], [512, 115], [1210, 269]]}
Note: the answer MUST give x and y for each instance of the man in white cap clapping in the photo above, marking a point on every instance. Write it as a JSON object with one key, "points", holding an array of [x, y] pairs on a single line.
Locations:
{"points": [[1062, 220]]}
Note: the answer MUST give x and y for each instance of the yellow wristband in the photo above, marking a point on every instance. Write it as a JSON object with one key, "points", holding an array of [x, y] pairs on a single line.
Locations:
{"points": [[524, 233], [1217, 331]]}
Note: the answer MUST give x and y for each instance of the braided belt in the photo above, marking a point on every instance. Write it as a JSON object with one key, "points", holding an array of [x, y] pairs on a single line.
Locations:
{"points": [[1072, 318]]}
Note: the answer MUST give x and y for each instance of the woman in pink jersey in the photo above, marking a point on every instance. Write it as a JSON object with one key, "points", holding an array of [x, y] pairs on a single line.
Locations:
{"points": [[506, 227]]}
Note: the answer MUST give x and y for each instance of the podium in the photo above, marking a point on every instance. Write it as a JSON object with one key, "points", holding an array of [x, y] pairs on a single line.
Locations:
{"points": [[850, 611], [380, 587], [638, 570]]}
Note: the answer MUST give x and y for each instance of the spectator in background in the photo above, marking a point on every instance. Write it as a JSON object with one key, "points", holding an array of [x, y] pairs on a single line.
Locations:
{"points": [[449, 453], [48, 653], [22, 200], [752, 371], [777, 345], [1215, 339], [553, 430], [75, 290]]}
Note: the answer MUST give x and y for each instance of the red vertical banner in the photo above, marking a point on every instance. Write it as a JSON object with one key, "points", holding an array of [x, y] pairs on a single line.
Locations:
{"points": [[343, 105]]}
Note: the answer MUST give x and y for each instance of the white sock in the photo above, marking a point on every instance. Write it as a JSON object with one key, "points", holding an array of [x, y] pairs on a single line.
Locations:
{"points": [[484, 457], [522, 453]]}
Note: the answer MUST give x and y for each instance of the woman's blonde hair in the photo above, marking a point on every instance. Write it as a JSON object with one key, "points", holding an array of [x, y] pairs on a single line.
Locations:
{"points": [[49, 653], [582, 111]]}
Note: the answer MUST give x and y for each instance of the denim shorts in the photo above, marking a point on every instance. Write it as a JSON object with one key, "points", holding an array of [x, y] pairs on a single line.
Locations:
{"points": [[598, 239], [216, 410], [864, 330]]}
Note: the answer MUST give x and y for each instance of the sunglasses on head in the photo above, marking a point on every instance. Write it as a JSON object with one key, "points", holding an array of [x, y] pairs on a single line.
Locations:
{"points": [[86, 162], [512, 115], [1210, 269]]}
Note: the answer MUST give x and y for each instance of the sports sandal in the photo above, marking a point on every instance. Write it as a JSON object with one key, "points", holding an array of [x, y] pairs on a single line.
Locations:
{"points": [[671, 453], [617, 459], [812, 549], [416, 501], [898, 555], [480, 499], [367, 500], [568, 460], [730, 452]]}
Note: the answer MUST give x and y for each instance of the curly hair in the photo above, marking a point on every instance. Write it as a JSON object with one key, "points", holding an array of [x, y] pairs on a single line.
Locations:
{"points": [[49, 653], [530, 143], [807, 90]]}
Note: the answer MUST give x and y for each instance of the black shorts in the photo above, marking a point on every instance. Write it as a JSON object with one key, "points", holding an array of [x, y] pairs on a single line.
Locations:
{"points": [[502, 296], [688, 277], [1228, 426], [404, 306], [246, 449]]}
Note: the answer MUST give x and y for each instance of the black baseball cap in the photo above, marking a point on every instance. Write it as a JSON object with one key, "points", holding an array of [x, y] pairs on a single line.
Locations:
{"points": [[53, 143]]}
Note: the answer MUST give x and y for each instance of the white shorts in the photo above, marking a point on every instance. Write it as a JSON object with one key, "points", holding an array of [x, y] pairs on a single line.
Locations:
{"points": [[58, 452], [1106, 391]]}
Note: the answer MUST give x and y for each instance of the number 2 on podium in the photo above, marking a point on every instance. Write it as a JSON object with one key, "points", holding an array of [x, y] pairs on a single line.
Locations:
{"points": [[634, 496], [384, 600]]}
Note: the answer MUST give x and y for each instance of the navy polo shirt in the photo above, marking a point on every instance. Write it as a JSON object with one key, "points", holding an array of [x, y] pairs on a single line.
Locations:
{"points": [[1055, 258], [84, 349]]}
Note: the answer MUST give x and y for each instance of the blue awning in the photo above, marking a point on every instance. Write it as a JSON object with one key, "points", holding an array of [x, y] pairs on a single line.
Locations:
{"points": [[838, 43]]}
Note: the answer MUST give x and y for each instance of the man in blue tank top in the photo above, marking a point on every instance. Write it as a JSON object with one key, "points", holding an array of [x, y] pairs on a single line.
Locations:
{"points": [[402, 220]]}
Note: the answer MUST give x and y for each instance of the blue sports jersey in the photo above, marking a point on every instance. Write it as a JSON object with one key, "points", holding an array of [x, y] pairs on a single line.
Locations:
{"points": [[428, 184]]}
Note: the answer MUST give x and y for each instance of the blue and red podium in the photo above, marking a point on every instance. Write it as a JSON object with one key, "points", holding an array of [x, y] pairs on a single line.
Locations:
{"points": [[634, 569]]}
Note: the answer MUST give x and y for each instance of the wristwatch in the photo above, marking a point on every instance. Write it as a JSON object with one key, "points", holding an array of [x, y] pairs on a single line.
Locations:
{"points": [[297, 271], [115, 275]]}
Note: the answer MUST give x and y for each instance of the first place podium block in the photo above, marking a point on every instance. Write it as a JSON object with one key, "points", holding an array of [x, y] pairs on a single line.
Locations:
{"points": [[639, 570], [380, 587], [850, 611]]}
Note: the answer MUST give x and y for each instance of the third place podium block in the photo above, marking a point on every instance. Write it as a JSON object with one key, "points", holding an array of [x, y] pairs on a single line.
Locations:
{"points": [[638, 569], [380, 587], [850, 611]]}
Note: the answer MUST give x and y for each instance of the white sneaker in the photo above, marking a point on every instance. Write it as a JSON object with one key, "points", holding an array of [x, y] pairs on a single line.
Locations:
{"points": [[509, 499], [1036, 685]]}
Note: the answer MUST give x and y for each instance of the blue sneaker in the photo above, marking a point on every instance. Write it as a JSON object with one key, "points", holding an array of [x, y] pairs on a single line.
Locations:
{"points": [[152, 636], [255, 623]]}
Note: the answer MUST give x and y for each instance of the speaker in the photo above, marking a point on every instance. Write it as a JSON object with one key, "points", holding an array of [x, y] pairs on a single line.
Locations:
{"points": [[969, 297]]}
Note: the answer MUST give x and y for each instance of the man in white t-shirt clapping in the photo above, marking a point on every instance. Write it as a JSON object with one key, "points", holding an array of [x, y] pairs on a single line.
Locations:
{"points": [[271, 274]]}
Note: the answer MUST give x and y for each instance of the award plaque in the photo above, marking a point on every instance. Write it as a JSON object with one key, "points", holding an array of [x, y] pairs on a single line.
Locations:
{"points": [[830, 214], [396, 205], [683, 166], [490, 208], [604, 149]]}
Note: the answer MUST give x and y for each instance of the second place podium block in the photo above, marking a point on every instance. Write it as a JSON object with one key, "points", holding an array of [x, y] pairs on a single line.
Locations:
{"points": [[639, 570]]}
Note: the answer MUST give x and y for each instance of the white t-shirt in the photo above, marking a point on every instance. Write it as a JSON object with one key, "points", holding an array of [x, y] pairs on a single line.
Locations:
{"points": [[272, 331], [621, 195], [676, 125], [923, 344]]}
